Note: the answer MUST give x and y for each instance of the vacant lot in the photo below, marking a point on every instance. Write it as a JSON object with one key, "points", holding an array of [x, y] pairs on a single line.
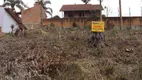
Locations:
{"points": [[64, 54]]}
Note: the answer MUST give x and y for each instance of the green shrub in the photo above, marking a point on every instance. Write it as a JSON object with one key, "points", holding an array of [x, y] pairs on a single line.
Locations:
{"points": [[121, 78], [74, 24], [114, 33], [9, 34], [52, 25], [140, 71], [128, 28], [109, 70], [87, 27]]}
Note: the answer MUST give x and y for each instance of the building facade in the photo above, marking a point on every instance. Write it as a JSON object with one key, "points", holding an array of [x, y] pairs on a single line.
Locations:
{"points": [[81, 10], [31, 17], [9, 18]]}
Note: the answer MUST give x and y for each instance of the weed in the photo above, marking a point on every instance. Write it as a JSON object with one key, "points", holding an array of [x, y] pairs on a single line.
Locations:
{"points": [[114, 33], [52, 25], [109, 70], [97, 52], [140, 71], [121, 78]]}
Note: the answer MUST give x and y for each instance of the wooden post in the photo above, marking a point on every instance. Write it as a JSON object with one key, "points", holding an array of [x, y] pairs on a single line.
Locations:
{"points": [[101, 10], [97, 35], [130, 16], [97, 38], [0, 29], [120, 12], [41, 19]]}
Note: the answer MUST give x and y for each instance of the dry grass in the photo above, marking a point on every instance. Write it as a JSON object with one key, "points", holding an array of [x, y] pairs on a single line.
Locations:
{"points": [[64, 54]]}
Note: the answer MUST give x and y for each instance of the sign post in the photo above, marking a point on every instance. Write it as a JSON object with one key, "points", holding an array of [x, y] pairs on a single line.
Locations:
{"points": [[97, 26], [97, 35]]}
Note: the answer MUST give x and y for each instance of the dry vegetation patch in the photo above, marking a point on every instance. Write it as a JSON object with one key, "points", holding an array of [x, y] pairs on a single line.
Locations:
{"points": [[63, 54]]}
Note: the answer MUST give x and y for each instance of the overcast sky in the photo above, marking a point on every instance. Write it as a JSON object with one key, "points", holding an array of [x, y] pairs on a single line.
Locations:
{"points": [[113, 5]]}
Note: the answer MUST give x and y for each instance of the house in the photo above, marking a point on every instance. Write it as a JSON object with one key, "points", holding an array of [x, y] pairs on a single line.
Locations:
{"points": [[81, 10], [31, 17], [76, 15], [9, 19]]}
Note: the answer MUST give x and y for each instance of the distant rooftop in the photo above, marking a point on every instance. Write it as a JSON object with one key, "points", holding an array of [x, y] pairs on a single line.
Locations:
{"points": [[80, 7]]}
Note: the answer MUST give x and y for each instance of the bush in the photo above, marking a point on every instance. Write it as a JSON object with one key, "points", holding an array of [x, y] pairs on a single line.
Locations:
{"points": [[121, 77], [140, 71], [109, 70], [74, 24], [52, 25]]}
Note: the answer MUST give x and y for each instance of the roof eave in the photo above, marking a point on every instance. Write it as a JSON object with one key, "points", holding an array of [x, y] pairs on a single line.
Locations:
{"points": [[78, 10]]}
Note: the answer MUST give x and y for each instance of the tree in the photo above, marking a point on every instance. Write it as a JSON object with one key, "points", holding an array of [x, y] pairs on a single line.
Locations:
{"points": [[56, 17], [48, 10], [97, 38], [108, 11], [15, 3], [86, 1], [44, 3]]}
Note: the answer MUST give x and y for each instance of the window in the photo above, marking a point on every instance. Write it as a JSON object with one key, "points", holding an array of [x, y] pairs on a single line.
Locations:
{"points": [[81, 15], [70, 15]]}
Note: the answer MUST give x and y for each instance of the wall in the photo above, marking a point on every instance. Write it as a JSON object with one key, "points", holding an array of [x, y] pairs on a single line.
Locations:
{"points": [[1, 16], [32, 16], [109, 22], [66, 22], [76, 14], [6, 21], [131, 22], [32, 25]]}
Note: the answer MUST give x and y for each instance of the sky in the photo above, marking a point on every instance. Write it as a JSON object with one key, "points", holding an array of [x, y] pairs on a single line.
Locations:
{"points": [[129, 7]]}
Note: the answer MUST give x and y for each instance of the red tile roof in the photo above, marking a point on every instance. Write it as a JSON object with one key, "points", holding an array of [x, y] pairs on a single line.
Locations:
{"points": [[80, 7], [16, 18]]}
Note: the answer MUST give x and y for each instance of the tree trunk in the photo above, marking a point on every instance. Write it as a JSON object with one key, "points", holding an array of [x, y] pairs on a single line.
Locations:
{"points": [[96, 38], [41, 15], [100, 10]]}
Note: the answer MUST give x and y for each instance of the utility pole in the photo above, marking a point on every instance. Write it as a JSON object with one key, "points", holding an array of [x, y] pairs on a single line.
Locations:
{"points": [[101, 10], [97, 37], [141, 8], [129, 11], [130, 15], [141, 11], [120, 12], [106, 21]]}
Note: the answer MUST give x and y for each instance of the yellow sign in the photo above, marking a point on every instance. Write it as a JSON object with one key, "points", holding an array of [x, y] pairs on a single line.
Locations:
{"points": [[98, 26]]}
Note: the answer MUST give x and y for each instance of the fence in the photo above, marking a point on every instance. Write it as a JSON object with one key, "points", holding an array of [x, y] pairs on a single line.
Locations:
{"points": [[110, 22]]}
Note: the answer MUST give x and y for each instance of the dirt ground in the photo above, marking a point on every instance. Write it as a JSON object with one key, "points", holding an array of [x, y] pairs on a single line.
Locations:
{"points": [[64, 54]]}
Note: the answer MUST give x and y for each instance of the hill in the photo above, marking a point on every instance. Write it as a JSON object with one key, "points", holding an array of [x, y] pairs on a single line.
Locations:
{"points": [[64, 54]]}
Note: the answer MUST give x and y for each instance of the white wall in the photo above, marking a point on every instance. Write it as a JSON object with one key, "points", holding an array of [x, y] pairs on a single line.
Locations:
{"points": [[1, 16], [7, 22]]}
